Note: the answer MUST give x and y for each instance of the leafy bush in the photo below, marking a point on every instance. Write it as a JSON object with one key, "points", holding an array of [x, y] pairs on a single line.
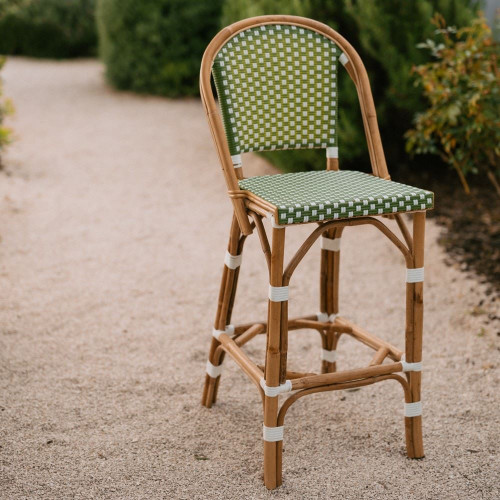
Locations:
{"points": [[385, 34], [462, 122], [48, 28], [155, 46], [5, 109], [241, 9]]}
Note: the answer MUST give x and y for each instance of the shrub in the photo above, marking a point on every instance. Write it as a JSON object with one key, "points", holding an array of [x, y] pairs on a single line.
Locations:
{"points": [[48, 28], [155, 46], [462, 121], [240, 9], [385, 35], [5, 109]]}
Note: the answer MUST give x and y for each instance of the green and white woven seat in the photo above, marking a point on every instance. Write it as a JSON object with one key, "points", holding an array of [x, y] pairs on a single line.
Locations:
{"points": [[323, 195]]}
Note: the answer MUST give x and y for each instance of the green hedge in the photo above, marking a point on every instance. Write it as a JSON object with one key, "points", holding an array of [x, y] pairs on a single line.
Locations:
{"points": [[48, 28], [386, 35], [5, 110], [155, 46]]}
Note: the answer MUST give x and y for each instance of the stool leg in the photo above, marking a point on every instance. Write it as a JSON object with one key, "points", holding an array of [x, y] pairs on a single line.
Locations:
{"points": [[329, 295], [273, 449], [414, 323], [223, 316], [329, 343]]}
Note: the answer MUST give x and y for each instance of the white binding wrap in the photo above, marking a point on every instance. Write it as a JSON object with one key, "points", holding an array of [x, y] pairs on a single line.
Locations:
{"points": [[333, 245], [415, 275], [270, 216], [330, 356], [229, 330], [274, 391], [213, 371], [332, 152], [237, 163], [272, 434], [410, 367], [324, 318], [413, 409], [343, 59], [278, 293], [232, 261]]}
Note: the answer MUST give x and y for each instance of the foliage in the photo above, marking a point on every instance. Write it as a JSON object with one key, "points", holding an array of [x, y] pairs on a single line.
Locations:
{"points": [[48, 28], [240, 9], [385, 35], [389, 32], [155, 46], [5, 109], [462, 121]]}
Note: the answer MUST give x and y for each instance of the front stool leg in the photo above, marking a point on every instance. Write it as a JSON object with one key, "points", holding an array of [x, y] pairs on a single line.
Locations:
{"points": [[414, 324], [227, 295], [278, 296]]}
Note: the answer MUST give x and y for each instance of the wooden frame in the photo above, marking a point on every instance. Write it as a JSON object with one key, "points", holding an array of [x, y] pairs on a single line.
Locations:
{"points": [[249, 212]]}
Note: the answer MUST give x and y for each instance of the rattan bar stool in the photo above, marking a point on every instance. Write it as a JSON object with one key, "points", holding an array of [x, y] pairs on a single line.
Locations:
{"points": [[276, 81]]}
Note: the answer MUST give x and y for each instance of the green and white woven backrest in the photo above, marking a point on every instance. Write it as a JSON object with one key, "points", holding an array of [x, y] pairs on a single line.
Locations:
{"points": [[277, 89]]}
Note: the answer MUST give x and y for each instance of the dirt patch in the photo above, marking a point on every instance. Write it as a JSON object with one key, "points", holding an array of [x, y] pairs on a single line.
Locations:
{"points": [[471, 235], [472, 225]]}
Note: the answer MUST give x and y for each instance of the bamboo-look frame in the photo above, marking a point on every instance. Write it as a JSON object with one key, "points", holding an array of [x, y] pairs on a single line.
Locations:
{"points": [[249, 211]]}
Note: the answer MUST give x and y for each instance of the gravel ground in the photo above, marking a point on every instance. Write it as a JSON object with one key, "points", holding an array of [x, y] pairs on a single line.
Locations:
{"points": [[114, 219]]}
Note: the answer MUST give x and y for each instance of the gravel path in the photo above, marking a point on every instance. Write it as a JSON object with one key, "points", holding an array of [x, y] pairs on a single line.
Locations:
{"points": [[114, 219]]}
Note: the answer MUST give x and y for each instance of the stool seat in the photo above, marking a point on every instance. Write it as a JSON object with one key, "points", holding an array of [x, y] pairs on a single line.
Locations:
{"points": [[322, 195]]}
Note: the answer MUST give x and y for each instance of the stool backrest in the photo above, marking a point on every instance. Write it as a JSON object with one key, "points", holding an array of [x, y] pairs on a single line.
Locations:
{"points": [[277, 89], [276, 81]]}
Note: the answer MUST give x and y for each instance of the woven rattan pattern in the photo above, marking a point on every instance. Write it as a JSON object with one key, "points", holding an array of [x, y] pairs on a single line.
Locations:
{"points": [[277, 89], [315, 196]]}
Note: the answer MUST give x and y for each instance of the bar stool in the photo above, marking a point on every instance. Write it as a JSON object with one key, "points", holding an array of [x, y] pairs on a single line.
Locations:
{"points": [[276, 82]]}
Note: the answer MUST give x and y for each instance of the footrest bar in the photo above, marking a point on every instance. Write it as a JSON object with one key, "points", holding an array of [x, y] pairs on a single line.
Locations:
{"points": [[293, 324], [370, 340], [249, 334], [345, 376], [240, 358], [311, 322], [379, 357], [291, 375]]}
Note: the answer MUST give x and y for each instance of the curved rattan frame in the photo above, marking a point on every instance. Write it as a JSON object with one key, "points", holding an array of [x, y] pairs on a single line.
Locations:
{"points": [[249, 212]]}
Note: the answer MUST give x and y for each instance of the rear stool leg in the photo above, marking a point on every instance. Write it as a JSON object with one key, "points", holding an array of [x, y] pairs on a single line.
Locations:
{"points": [[329, 294], [329, 352], [413, 351], [227, 295]]}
